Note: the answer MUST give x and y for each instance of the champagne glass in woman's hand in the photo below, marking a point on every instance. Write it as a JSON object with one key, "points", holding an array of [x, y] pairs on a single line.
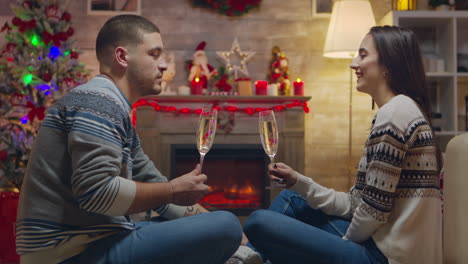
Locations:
{"points": [[206, 132], [281, 172], [269, 136]]}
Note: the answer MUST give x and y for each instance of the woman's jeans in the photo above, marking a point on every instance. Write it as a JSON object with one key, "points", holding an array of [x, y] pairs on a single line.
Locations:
{"points": [[293, 232], [205, 238]]}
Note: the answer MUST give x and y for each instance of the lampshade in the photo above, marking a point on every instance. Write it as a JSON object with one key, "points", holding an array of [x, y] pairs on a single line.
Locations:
{"points": [[350, 21]]}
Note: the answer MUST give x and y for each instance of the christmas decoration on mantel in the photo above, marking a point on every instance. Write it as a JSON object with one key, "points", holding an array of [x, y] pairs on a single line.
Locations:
{"points": [[279, 71], [37, 67], [243, 56], [225, 107], [200, 71], [228, 7], [223, 82]]}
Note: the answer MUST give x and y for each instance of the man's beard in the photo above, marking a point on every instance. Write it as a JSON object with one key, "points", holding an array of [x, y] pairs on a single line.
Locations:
{"points": [[144, 86]]}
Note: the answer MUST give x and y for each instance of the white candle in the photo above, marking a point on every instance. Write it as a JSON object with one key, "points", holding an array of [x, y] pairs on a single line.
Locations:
{"points": [[272, 89], [183, 90]]}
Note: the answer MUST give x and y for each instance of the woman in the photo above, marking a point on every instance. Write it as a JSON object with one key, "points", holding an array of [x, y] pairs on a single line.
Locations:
{"points": [[393, 213]]}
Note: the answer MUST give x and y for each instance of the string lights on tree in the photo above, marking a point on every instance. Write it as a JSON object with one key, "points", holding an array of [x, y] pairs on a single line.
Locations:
{"points": [[38, 65]]}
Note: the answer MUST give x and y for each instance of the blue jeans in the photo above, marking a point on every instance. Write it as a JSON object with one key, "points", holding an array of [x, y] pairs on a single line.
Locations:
{"points": [[204, 238], [293, 232]]}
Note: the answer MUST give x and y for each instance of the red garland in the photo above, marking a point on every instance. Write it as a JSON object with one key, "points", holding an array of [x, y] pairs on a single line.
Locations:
{"points": [[229, 108]]}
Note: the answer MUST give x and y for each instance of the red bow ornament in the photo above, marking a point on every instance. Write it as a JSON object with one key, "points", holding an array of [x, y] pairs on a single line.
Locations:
{"points": [[38, 112], [223, 85], [23, 25], [56, 38]]}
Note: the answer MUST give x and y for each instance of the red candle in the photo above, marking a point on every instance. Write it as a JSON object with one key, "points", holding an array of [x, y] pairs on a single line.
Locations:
{"points": [[298, 87], [197, 86], [261, 87]]}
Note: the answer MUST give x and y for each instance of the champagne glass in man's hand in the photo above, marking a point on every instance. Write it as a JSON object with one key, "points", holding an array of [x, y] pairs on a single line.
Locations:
{"points": [[206, 132]]}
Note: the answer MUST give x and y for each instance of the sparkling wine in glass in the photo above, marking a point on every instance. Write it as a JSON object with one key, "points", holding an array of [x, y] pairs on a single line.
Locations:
{"points": [[269, 135], [206, 132]]}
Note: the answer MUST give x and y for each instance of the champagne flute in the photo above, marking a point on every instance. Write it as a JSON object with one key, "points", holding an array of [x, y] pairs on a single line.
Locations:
{"points": [[269, 136], [206, 131]]}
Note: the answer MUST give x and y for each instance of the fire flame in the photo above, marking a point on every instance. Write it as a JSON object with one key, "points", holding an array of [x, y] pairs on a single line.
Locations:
{"points": [[245, 196]]}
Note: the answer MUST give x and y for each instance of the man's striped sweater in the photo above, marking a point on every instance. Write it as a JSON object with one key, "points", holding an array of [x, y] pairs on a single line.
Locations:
{"points": [[80, 178]]}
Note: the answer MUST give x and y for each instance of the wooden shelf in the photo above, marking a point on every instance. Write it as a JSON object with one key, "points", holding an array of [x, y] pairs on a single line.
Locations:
{"points": [[442, 35]]}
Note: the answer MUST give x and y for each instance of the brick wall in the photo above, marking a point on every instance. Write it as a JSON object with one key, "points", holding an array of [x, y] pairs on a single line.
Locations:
{"points": [[287, 24]]}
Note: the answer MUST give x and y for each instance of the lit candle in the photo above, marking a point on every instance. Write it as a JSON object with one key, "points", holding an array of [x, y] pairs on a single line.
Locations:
{"points": [[403, 5], [298, 87], [197, 86], [261, 87]]}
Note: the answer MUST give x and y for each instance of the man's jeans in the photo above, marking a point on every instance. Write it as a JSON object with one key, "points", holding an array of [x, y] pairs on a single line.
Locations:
{"points": [[293, 232], [204, 238]]}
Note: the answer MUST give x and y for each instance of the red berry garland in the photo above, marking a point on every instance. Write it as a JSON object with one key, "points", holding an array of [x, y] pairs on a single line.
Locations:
{"points": [[229, 108]]}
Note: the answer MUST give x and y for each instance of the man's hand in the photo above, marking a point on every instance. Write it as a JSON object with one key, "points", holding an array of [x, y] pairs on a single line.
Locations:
{"points": [[282, 173], [189, 188]]}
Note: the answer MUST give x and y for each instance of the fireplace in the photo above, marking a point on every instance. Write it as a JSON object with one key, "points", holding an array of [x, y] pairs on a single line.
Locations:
{"points": [[168, 138], [236, 175]]}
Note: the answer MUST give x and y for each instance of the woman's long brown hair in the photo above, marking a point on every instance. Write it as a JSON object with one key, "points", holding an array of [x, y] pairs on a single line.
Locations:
{"points": [[400, 54]]}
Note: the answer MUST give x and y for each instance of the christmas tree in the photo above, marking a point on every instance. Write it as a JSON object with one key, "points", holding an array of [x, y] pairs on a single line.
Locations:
{"points": [[38, 65]]}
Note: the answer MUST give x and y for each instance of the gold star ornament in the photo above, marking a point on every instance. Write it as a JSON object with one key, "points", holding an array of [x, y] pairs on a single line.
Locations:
{"points": [[242, 57]]}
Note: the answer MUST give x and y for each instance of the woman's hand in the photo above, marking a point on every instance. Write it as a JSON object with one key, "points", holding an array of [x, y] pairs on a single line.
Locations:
{"points": [[282, 173]]}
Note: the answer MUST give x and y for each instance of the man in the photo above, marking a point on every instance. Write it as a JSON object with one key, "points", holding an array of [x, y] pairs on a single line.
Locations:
{"points": [[88, 173]]}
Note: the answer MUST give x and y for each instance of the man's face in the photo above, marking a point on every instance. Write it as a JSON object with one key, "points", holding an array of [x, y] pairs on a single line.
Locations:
{"points": [[145, 66]]}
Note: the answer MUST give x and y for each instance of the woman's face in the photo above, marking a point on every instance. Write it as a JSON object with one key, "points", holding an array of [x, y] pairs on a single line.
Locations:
{"points": [[369, 73]]}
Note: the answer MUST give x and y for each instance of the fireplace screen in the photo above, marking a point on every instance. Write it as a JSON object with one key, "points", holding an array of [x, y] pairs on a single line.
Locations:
{"points": [[236, 174]]}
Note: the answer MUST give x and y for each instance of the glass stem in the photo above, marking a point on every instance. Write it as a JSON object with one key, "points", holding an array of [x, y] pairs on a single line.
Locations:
{"points": [[272, 159], [202, 157]]}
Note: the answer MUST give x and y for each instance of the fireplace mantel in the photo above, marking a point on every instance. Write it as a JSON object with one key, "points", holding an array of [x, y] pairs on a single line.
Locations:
{"points": [[159, 130], [228, 99]]}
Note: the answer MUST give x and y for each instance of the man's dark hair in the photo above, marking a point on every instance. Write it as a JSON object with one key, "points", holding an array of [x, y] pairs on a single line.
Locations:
{"points": [[125, 30]]}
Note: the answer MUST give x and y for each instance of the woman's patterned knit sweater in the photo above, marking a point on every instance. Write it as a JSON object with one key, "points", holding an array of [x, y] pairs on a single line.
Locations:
{"points": [[396, 197]]}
